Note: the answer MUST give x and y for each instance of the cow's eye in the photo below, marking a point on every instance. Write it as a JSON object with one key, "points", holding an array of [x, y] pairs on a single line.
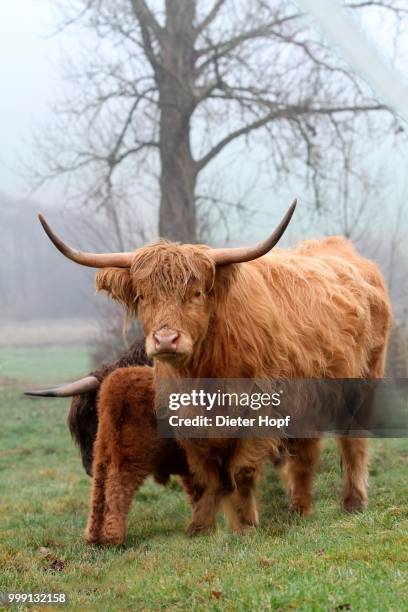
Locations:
{"points": [[140, 297], [197, 294]]}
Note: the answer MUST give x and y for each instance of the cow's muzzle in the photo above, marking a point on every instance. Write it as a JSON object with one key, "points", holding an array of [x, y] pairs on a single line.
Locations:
{"points": [[166, 341]]}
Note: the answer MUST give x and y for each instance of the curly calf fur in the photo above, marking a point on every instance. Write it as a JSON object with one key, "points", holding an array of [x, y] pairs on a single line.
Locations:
{"points": [[126, 451]]}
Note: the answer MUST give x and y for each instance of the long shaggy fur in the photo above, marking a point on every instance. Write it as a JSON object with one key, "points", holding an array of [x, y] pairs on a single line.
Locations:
{"points": [[318, 311]]}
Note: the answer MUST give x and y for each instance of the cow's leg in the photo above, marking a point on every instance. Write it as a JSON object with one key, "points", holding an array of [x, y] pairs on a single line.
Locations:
{"points": [[188, 486], [298, 473], [205, 501], [206, 487], [354, 453], [240, 506]]}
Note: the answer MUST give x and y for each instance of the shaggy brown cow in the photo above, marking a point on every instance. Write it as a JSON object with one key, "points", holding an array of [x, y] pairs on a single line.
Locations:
{"points": [[318, 311]]}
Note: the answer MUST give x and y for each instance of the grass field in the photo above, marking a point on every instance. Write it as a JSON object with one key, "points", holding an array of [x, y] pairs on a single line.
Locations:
{"points": [[44, 365], [329, 561]]}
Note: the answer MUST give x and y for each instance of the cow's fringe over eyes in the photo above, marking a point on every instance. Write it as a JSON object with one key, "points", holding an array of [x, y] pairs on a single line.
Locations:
{"points": [[166, 267], [170, 267]]}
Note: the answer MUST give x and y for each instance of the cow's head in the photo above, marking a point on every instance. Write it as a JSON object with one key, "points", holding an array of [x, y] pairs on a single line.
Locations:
{"points": [[169, 287]]}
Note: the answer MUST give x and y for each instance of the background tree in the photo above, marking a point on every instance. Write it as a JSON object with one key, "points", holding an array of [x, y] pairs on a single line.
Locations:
{"points": [[164, 88]]}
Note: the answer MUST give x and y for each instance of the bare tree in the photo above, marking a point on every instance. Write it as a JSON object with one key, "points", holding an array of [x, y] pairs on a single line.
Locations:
{"points": [[166, 87]]}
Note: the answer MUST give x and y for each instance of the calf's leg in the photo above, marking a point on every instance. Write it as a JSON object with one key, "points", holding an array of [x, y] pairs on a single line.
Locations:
{"points": [[97, 509], [113, 490], [124, 449], [121, 483]]}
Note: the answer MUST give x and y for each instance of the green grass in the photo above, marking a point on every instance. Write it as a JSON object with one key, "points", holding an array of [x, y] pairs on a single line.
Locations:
{"points": [[329, 561], [44, 365]]}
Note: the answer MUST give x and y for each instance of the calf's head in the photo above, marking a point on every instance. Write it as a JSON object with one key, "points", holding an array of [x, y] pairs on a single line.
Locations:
{"points": [[169, 287]]}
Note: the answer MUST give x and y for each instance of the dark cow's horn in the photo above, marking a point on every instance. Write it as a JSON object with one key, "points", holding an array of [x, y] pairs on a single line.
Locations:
{"points": [[241, 254], [78, 387], [92, 260]]}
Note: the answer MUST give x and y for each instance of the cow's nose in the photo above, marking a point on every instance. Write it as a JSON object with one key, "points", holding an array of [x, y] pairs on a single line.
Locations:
{"points": [[166, 340]]}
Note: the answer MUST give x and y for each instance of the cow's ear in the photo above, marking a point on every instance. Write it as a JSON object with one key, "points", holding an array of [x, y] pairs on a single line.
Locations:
{"points": [[117, 283], [224, 277]]}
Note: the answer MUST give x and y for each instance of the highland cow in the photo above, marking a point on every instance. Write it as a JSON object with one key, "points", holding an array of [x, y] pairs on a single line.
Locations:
{"points": [[319, 311]]}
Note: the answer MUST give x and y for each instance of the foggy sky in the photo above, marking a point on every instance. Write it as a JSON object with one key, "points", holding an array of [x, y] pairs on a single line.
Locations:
{"points": [[30, 78]]}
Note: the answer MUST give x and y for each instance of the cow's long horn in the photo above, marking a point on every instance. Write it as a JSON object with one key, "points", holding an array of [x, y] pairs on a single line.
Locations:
{"points": [[92, 260], [78, 387], [241, 254]]}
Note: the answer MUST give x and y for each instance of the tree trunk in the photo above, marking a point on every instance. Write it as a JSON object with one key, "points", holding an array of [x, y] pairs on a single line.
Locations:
{"points": [[177, 218]]}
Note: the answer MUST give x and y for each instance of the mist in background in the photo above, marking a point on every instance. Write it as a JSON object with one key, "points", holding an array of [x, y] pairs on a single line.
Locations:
{"points": [[36, 283]]}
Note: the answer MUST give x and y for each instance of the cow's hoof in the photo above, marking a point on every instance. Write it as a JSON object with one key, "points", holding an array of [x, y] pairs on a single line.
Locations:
{"points": [[113, 537], [112, 541], [354, 503], [300, 508], [244, 529], [196, 529], [103, 539], [92, 534], [92, 539]]}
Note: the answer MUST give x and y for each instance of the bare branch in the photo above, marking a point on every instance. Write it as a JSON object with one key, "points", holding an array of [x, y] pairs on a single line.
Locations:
{"points": [[218, 49], [210, 17], [287, 113], [148, 24], [388, 6], [146, 17]]}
